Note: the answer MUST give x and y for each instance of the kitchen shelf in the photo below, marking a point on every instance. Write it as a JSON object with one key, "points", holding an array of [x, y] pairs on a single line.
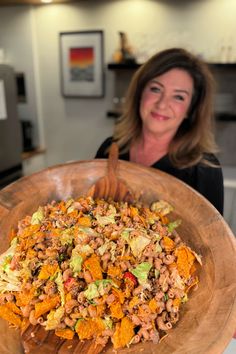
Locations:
{"points": [[226, 116], [133, 66], [123, 66], [223, 65], [29, 154], [113, 114]]}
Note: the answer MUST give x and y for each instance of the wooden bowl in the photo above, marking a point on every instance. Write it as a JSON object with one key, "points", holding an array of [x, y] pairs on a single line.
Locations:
{"points": [[208, 320]]}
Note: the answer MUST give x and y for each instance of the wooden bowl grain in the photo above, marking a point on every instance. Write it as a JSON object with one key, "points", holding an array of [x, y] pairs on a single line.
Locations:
{"points": [[208, 320]]}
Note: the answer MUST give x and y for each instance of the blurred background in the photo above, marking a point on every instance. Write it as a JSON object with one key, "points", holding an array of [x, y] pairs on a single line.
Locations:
{"points": [[40, 127]]}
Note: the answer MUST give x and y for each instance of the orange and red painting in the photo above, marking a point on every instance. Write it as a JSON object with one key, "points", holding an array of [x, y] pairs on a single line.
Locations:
{"points": [[81, 63]]}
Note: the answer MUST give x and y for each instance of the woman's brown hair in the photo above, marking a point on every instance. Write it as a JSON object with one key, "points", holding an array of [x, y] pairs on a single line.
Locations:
{"points": [[194, 138]]}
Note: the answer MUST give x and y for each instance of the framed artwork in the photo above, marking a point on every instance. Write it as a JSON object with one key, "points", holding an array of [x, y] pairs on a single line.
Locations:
{"points": [[82, 73]]}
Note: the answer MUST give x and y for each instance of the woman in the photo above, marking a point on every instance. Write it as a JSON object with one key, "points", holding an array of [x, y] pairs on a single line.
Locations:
{"points": [[168, 122]]}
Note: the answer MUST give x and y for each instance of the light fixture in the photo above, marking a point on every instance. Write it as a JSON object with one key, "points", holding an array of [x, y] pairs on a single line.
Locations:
{"points": [[46, 1]]}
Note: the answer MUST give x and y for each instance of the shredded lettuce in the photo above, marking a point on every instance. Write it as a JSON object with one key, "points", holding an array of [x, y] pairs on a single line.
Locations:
{"points": [[112, 246], [102, 249], [97, 288], [158, 247], [162, 207], [178, 282], [108, 245], [138, 244], [172, 225], [37, 217], [125, 235], [54, 318], [88, 231], [86, 249], [108, 322], [76, 262], [60, 286], [184, 298], [9, 279], [67, 236], [158, 236], [141, 272], [9, 252], [25, 272], [104, 220], [91, 292], [69, 205]]}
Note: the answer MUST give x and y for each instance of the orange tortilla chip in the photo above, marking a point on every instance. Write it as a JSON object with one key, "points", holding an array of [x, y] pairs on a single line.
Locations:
{"points": [[86, 329], [100, 309], [153, 305], [73, 214], [65, 333], [164, 219], [29, 230], [31, 253], [10, 316], [12, 306], [114, 272], [46, 305], [185, 260], [116, 310], [62, 206], [84, 221], [134, 301], [123, 334], [119, 295], [93, 265], [172, 266], [24, 324], [168, 243], [176, 302], [133, 211], [193, 269], [47, 270], [53, 231], [23, 298]]}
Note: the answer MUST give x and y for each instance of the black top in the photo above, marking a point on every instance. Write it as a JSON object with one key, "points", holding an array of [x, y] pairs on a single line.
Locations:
{"points": [[205, 179]]}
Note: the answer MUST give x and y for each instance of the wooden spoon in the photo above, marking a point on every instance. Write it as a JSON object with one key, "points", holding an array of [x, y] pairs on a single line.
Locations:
{"points": [[110, 186]]}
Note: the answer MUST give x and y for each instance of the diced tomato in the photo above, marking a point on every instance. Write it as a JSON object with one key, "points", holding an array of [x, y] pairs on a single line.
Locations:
{"points": [[69, 283], [130, 276]]}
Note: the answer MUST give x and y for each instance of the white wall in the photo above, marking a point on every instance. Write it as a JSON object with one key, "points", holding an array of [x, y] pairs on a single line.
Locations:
{"points": [[72, 129], [16, 40]]}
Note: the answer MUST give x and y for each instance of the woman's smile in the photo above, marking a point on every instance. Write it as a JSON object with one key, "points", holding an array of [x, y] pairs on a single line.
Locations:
{"points": [[159, 117]]}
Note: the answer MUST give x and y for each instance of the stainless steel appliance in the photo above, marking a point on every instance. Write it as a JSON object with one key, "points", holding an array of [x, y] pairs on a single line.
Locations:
{"points": [[10, 128]]}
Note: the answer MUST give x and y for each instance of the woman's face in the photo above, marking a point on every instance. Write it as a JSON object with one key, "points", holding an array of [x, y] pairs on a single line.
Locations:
{"points": [[165, 102]]}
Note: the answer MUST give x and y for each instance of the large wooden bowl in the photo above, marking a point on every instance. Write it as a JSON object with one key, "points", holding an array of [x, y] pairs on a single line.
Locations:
{"points": [[208, 320]]}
